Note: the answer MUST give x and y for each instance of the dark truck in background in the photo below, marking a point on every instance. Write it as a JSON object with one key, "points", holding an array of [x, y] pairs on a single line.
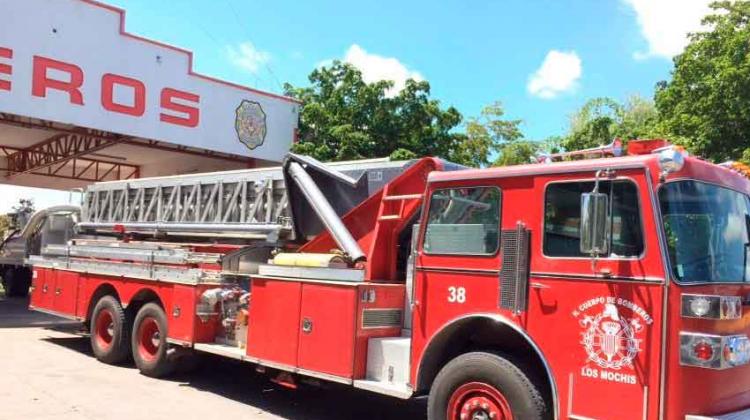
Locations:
{"points": [[53, 225]]}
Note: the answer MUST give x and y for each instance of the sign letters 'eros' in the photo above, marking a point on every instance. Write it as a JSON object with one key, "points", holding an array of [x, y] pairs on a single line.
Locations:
{"points": [[73, 62], [250, 124], [177, 107], [611, 336]]}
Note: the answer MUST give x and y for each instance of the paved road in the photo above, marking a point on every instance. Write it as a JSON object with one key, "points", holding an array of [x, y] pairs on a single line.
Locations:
{"points": [[47, 372]]}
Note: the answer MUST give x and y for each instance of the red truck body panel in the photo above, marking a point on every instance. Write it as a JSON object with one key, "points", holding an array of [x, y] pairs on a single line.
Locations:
{"points": [[577, 308]]}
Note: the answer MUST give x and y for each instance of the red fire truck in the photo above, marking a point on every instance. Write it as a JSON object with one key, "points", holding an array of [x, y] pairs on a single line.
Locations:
{"points": [[600, 286]]}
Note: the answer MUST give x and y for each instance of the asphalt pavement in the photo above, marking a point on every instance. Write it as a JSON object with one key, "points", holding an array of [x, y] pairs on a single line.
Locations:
{"points": [[47, 371]]}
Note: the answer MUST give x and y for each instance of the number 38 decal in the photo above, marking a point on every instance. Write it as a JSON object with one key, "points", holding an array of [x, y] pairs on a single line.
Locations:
{"points": [[456, 294]]}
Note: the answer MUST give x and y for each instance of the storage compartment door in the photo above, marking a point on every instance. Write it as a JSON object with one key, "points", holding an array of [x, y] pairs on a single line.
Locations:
{"points": [[326, 342], [273, 327], [66, 292], [44, 289], [39, 293]]}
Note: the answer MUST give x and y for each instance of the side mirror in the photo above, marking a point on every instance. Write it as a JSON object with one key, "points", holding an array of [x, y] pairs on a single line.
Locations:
{"points": [[594, 223]]}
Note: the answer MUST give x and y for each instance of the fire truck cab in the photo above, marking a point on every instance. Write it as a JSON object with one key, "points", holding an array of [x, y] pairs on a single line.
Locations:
{"points": [[604, 288]]}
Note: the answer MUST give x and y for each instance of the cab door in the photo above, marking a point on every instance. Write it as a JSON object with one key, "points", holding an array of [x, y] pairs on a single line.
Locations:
{"points": [[458, 258], [599, 320]]}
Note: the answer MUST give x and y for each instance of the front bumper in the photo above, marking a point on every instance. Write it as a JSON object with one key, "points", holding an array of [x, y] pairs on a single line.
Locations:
{"points": [[737, 415]]}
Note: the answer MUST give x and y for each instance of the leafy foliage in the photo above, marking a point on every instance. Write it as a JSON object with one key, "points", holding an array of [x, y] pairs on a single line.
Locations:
{"points": [[17, 218], [490, 134], [600, 120], [343, 117], [706, 105]]}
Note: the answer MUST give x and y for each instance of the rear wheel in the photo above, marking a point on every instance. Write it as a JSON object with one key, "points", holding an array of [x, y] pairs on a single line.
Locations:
{"points": [[149, 342], [109, 331], [484, 386]]}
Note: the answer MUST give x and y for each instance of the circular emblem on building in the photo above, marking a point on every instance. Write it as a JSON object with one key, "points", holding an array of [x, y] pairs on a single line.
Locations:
{"points": [[250, 124]]}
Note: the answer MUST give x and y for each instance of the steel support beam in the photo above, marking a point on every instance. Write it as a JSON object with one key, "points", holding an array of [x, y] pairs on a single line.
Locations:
{"points": [[30, 123], [79, 169], [55, 151]]}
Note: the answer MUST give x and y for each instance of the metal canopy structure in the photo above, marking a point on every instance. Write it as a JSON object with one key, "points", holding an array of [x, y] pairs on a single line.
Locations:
{"points": [[82, 100], [66, 156]]}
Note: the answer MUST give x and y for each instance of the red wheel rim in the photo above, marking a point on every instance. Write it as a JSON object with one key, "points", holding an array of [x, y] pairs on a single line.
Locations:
{"points": [[104, 329], [478, 401], [149, 339]]}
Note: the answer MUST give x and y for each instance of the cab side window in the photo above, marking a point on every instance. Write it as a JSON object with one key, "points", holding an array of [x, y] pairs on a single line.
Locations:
{"points": [[463, 221], [562, 218]]}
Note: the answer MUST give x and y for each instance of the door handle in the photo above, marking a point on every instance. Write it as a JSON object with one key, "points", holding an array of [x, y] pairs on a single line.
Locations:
{"points": [[536, 285], [58, 291], [307, 325]]}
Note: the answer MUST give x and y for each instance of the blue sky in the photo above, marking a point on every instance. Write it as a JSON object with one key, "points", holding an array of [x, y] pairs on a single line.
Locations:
{"points": [[471, 52], [542, 58]]}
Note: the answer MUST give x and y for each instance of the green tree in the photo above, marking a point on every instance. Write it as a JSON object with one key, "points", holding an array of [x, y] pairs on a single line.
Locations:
{"points": [[600, 120], [706, 104], [489, 134], [343, 117], [6, 225]]}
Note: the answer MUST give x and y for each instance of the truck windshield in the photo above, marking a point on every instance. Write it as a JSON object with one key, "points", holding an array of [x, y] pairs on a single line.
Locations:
{"points": [[707, 232]]}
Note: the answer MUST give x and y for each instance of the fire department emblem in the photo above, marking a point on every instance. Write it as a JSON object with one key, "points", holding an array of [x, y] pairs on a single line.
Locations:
{"points": [[610, 339], [250, 124], [612, 328]]}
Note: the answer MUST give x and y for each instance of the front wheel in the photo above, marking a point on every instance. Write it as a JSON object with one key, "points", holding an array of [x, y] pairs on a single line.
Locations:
{"points": [[149, 342], [484, 386]]}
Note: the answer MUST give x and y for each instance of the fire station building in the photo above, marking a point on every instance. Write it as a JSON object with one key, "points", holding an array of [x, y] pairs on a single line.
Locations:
{"points": [[82, 100]]}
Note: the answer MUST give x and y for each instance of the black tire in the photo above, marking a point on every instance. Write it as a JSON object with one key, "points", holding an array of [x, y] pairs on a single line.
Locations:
{"points": [[110, 331], [487, 379], [149, 342], [17, 282]]}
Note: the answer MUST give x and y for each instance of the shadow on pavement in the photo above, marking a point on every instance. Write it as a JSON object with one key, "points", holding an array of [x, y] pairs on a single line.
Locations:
{"points": [[235, 380], [15, 313], [239, 382]]}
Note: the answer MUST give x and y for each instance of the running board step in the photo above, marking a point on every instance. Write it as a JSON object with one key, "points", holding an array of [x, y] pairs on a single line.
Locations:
{"points": [[402, 391]]}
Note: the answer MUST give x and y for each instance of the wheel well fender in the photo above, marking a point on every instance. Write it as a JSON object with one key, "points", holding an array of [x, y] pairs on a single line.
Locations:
{"points": [[484, 332], [140, 298], [102, 290]]}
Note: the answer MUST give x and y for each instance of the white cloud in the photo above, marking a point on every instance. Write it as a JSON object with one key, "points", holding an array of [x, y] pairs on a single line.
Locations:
{"points": [[247, 57], [559, 73], [666, 23], [376, 67]]}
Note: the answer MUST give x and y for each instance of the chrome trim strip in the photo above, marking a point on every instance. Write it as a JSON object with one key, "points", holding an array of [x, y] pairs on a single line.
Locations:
{"points": [[218, 350], [57, 314], [505, 321], [656, 211], [599, 277], [451, 270]]}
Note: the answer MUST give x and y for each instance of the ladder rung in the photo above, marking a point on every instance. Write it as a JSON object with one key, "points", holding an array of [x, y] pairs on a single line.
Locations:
{"points": [[402, 197]]}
